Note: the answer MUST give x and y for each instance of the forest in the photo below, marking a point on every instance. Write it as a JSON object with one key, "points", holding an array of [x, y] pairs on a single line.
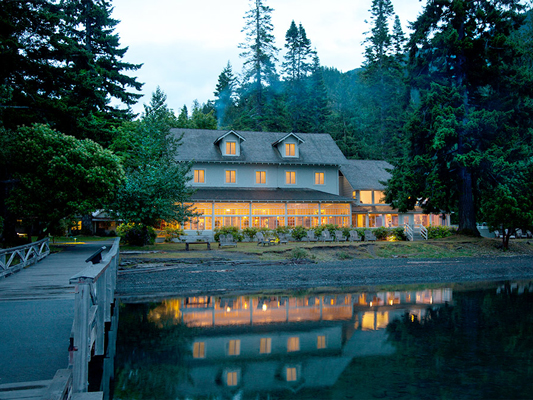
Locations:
{"points": [[449, 106]]}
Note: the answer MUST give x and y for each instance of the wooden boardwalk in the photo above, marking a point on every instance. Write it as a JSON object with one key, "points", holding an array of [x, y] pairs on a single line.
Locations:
{"points": [[37, 311]]}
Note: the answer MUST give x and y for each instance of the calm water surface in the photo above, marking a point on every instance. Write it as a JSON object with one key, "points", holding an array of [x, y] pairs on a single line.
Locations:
{"points": [[428, 343]]}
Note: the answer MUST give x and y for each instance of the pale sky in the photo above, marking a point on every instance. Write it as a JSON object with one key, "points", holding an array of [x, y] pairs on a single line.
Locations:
{"points": [[185, 44]]}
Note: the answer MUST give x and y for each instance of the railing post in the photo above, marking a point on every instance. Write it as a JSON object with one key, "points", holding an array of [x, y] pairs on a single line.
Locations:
{"points": [[81, 338]]}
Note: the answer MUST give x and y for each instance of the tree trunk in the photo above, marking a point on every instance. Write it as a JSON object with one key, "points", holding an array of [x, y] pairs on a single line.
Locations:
{"points": [[467, 212]]}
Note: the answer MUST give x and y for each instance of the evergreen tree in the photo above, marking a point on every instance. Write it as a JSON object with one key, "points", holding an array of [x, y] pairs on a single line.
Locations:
{"points": [[297, 67], [318, 98], [63, 67], [471, 94], [155, 187], [259, 53], [225, 94], [384, 89]]}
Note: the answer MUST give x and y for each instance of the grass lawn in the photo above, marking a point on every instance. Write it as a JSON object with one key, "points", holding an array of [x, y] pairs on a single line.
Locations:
{"points": [[455, 246]]}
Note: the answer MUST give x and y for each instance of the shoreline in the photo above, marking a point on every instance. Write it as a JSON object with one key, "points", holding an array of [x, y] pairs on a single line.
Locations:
{"points": [[193, 277]]}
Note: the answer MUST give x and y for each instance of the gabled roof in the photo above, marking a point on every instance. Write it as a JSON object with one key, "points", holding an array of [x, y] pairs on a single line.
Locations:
{"points": [[366, 174], [315, 149], [226, 134], [299, 139]]}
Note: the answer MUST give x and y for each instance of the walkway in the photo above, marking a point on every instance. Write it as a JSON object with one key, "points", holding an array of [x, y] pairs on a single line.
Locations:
{"points": [[36, 312]]}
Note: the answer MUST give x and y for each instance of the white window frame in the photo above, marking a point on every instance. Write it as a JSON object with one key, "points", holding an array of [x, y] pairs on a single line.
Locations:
{"points": [[226, 176]]}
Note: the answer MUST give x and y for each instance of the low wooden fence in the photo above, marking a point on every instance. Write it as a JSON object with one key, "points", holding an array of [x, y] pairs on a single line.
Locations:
{"points": [[16, 258], [94, 308]]}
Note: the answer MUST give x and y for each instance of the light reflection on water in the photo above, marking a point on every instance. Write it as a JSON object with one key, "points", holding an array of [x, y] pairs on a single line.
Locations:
{"points": [[399, 344]]}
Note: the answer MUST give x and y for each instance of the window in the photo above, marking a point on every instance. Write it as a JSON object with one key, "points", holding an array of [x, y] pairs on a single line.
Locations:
{"points": [[290, 150], [232, 378], [365, 197], [265, 346], [234, 348], [199, 176], [379, 197], [319, 178], [290, 177], [321, 342], [231, 176], [291, 374], [198, 350], [260, 177], [293, 344], [231, 148]]}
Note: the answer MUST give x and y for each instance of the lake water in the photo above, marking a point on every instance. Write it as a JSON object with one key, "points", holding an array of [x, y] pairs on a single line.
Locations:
{"points": [[450, 342]]}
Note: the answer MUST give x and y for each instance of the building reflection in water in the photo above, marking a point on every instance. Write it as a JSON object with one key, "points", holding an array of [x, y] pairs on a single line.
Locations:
{"points": [[269, 343]]}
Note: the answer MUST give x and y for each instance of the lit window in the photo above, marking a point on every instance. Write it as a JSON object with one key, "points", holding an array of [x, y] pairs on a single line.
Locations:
{"points": [[353, 195], [234, 348], [319, 178], [231, 148], [265, 346], [232, 378], [199, 176], [198, 350], [321, 342], [290, 177], [290, 150], [293, 344], [379, 197], [231, 176], [365, 196], [291, 374], [260, 177]]}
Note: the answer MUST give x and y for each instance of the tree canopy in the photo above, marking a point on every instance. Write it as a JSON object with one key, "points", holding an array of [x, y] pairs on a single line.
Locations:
{"points": [[57, 176], [155, 186]]}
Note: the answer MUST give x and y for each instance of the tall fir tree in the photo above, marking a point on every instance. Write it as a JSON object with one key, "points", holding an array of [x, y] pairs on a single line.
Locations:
{"points": [[471, 98], [64, 65], [297, 67], [260, 57], [225, 97], [383, 79]]}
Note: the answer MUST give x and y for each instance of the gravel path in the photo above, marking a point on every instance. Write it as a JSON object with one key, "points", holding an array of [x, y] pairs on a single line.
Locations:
{"points": [[179, 278]]}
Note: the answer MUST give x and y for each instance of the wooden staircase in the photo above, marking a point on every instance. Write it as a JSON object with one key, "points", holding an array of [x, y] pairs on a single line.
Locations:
{"points": [[416, 233]]}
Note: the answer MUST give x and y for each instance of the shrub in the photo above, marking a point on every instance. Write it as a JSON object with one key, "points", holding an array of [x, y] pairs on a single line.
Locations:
{"points": [[438, 232], [381, 233], [397, 233], [136, 234], [172, 233], [330, 227], [226, 230], [250, 232], [298, 253], [299, 232]]}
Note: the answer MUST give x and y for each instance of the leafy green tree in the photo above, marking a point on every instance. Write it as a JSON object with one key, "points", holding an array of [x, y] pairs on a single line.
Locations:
{"points": [[56, 176], [155, 187], [471, 96], [506, 202], [318, 107]]}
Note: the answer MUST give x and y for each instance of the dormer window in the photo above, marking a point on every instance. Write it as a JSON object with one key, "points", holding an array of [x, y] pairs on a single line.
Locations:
{"points": [[230, 144], [288, 146], [290, 149], [231, 148]]}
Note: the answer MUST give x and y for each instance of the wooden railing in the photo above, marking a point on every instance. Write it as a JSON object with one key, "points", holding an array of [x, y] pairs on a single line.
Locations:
{"points": [[95, 293], [16, 258], [408, 232], [424, 232]]}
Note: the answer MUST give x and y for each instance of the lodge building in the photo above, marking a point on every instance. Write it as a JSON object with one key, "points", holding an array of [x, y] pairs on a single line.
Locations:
{"points": [[271, 179]]}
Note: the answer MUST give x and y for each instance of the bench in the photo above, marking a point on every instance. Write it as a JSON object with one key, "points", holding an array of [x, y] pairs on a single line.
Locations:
{"points": [[187, 244]]}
